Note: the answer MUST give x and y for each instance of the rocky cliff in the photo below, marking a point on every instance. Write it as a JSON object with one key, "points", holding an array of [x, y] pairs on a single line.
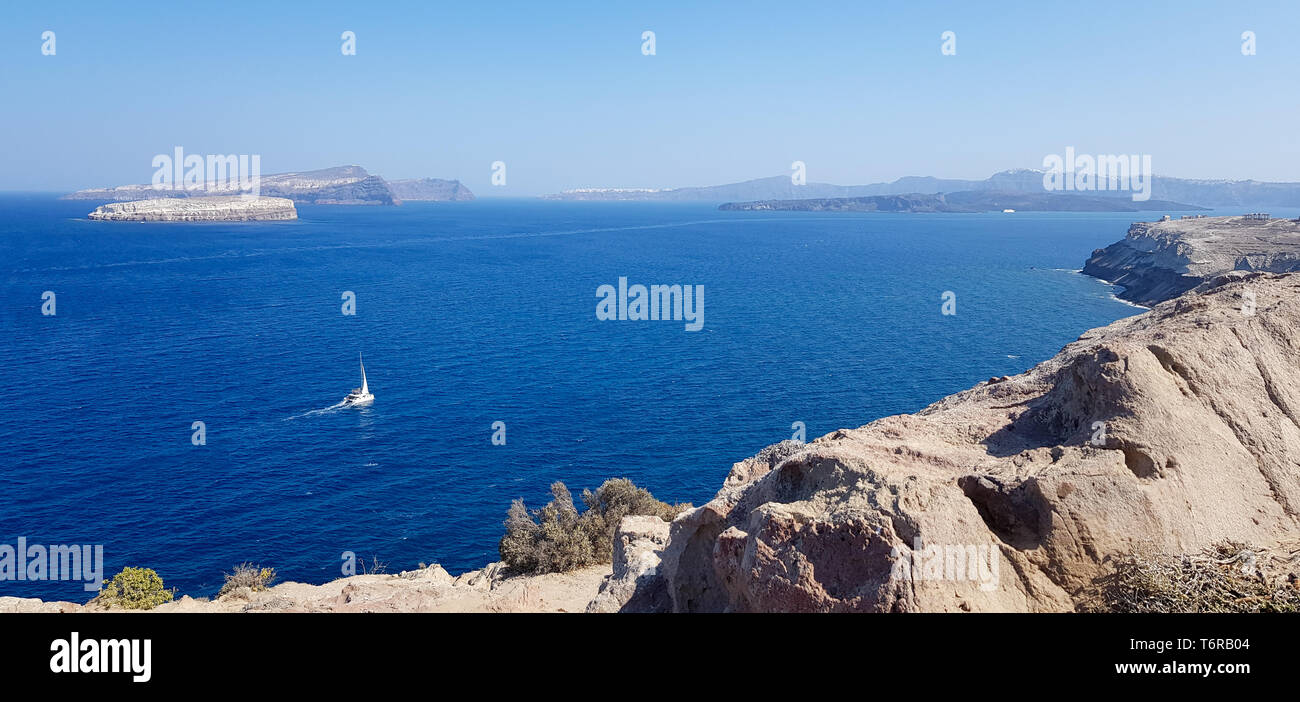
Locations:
{"points": [[1159, 260], [198, 209]]}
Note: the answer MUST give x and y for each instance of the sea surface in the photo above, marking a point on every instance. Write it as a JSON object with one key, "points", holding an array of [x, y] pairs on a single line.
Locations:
{"points": [[470, 314]]}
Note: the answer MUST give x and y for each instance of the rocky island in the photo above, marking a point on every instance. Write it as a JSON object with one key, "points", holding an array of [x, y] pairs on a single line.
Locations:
{"points": [[198, 209], [340, 185], [1158, 260]]}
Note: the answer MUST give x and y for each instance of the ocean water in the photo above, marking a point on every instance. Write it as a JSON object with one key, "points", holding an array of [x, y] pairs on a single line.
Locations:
{"points": [[468, 314]]}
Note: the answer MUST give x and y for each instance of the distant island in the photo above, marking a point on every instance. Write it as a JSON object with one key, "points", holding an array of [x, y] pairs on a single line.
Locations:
{"points": [[430, 189], [198, 209], [1203, 193], [340, 185], [963, 202]]}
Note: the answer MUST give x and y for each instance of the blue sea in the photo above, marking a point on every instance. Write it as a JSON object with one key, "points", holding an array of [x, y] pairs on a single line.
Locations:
{"points": [[470, 314]]}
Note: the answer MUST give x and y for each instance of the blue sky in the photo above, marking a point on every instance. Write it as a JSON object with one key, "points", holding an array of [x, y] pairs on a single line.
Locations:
{"points": [[560, 91]]}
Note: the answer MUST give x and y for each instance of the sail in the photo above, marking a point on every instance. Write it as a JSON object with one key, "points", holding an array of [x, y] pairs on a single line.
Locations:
{"points": [[365, 389]]}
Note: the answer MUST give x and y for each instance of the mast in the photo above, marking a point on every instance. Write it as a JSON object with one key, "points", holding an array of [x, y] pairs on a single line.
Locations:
{"points": [[365, 389]]}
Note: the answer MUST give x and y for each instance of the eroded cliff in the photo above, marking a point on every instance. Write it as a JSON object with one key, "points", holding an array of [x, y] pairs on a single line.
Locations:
{"points": [[1160, 260]]}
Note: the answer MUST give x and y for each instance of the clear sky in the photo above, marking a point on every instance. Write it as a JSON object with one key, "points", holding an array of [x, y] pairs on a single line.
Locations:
{"points": [[561, 92]]}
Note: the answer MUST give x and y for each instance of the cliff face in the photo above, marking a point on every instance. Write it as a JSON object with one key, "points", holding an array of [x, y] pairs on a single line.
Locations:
{"points": [[198, 209], [1168, 431], [370, 190], [1160, 260]]}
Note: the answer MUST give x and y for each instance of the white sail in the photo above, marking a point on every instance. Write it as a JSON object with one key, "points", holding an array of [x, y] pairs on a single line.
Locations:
{"points": [[365, 389]]}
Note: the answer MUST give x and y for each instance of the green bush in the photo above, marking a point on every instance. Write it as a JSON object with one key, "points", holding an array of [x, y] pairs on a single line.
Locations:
{"points": [[134, 588], [255, 578], [557, 538]]}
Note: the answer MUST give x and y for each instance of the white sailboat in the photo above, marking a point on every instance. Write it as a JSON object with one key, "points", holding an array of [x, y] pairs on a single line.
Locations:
{"points": [[361, 395]]}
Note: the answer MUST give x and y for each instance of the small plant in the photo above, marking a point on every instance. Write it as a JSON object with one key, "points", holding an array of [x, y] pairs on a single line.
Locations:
{"points": [[253, 577], [376, 567], [557, 538], [134, 588]]}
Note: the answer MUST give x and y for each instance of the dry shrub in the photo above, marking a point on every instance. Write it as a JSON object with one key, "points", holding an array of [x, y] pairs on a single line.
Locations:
{"points": [[557, 538], [253, 577], [1227, 577]]}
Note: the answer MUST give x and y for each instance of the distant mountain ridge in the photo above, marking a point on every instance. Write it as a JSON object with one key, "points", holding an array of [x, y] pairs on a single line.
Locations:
{"points": [[1204, 193], [339, 185], [964, 201]]}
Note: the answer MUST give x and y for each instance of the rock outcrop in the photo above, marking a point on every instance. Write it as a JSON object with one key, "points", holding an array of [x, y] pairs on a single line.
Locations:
{"points": [[198, 209], [1167, 431], [1160, 260], [635, 585]]}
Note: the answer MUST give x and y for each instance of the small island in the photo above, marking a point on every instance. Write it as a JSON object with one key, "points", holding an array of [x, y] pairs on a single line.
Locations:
{"points": [[198, 209]]}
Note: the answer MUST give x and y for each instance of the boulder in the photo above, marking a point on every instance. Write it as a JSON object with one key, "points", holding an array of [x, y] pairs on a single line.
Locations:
{"points": [[635, 584]]}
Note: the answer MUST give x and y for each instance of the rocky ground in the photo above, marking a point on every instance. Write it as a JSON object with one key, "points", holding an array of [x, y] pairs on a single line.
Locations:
{"points": [[429, 589]]}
